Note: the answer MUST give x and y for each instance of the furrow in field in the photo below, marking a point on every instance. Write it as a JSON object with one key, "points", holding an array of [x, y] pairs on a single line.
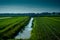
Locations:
{"points": [[12, 29], [45, 28], [49, 27], [54, 25]]}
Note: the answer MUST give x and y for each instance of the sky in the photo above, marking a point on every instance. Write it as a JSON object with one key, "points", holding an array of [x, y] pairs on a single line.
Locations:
{"points": [[29, 6]]}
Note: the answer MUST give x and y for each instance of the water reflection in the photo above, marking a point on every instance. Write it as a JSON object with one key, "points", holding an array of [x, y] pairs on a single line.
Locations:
{"points": [[26, 32]]}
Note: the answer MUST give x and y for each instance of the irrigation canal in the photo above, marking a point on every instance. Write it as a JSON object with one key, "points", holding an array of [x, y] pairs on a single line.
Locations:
{"points": [[26, 31]]}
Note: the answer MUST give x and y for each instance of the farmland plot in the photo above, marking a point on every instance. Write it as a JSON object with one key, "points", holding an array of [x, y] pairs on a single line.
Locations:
{"points": [[11, 26], [46, 28]]}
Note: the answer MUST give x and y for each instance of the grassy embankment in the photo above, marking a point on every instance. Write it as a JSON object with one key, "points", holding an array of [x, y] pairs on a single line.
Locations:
{"points": [[11, 26]]}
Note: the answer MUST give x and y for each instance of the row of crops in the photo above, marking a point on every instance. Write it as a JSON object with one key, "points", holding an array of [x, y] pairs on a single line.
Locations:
{"points": [[46, 28], [9, 27]]}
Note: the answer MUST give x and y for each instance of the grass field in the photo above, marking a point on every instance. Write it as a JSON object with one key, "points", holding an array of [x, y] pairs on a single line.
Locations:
{"points": [[46, 28], [10, 26], [43, 28]]}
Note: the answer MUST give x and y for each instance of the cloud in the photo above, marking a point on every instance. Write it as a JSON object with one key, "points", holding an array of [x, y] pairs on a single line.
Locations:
{"points": [[26, 9]]}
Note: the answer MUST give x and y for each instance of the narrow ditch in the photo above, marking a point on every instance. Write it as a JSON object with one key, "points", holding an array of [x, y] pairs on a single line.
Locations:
{"points": [[26, 32]]}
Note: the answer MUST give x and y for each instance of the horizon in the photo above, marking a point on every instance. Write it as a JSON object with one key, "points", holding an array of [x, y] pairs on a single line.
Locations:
{"points": [[29, 13]]}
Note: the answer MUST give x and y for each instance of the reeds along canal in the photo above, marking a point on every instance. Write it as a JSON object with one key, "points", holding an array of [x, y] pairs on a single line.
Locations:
{"points": [[26, 33]]}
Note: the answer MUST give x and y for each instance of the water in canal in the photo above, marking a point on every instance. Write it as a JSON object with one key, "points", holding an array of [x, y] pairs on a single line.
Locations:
{"points": [[26, 32]]}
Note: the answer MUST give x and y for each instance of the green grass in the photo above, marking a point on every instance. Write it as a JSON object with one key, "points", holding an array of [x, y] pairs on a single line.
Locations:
{"points": [[46, 28], [10, 27]]}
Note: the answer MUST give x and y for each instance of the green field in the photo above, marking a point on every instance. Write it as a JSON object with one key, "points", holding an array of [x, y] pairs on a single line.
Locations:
{"points": [[43, 28], [46, 28], [10, 26]]}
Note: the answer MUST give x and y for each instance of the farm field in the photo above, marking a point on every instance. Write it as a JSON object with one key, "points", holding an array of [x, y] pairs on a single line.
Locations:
{"points": [[9, 27], [46, 28], [43, 28]]}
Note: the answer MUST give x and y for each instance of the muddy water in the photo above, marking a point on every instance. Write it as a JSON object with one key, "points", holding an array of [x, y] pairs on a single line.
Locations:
{"points": [[26, 32]]}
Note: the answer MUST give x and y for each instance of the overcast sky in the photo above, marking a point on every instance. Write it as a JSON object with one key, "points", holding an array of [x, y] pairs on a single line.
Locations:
{"points": [[29, 6]]}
